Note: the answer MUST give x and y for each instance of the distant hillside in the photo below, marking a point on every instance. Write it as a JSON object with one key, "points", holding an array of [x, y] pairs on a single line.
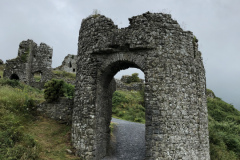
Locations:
{"points": [[224, 129]]}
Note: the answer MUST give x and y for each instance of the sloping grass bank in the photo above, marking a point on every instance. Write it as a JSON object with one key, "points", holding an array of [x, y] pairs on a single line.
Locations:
{"points": [[224, 130], [52, 138], [17, 107], [23, 134]]}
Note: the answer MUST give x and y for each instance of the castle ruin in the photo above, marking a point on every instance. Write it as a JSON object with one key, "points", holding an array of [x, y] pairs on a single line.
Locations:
{"points": [[175, 85], [69, 64], [175, 101], [32, 65]]}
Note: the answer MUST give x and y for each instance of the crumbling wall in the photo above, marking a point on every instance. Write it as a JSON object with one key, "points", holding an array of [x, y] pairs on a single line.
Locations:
{"points": [[175, 100], [69, 64], [60, 110], [124, 85], [31, 59]]}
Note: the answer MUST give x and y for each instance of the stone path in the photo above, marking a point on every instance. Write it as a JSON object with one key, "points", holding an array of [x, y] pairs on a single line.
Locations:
{"points": [[128, 142]]}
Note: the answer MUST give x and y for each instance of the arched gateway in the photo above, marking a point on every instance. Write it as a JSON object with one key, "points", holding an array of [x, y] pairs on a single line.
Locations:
{"points": [[176, 110]]}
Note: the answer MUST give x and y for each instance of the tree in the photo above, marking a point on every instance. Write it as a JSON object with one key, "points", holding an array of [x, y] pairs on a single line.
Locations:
{"points": [[135, 78]]}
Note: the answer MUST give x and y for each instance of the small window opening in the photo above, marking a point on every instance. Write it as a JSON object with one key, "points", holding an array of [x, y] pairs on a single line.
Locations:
{"points": [[37, 76], [70, 64], [50, 57], [73, 69]]}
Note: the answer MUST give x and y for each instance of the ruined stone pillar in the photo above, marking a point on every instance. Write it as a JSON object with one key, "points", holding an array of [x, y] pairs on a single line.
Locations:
{"points": [[175, 101]]}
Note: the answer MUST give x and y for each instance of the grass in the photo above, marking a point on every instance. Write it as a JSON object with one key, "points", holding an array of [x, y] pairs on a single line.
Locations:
{"points": [[17, 108], [24, 135], [128, 105], [53, 139], [1, 70], [64, 74], [112, 125], [224, 130], [37, 77]]}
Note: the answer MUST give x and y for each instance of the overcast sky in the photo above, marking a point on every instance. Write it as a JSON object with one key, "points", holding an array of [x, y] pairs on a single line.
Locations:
{"points": [[216, 24]]}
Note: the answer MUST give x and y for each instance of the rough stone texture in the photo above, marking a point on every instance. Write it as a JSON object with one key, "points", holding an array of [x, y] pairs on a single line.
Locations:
{"points": [[69, 64], [131, 86], [175, 100], [60, 110], [31, 59]]}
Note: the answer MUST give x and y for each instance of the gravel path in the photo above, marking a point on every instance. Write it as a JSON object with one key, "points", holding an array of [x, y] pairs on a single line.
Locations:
{"points": [[128, 142]]}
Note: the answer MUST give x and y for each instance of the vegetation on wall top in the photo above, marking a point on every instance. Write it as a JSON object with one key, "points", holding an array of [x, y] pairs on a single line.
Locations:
{"points": [[55, 89]]}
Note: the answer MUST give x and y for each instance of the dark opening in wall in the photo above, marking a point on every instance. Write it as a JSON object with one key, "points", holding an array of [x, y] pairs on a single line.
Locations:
{"points": [[34, 55], [70, 64], [73, 69], [14, 76], [50, 57]]}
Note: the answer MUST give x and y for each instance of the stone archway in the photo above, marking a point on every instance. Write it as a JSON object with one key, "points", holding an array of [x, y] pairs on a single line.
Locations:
{"points": [[176, 110], [14, 77]]}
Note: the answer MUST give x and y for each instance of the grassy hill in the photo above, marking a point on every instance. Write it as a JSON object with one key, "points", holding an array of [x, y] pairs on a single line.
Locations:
{"points": [[24, 135], [224, 130]]}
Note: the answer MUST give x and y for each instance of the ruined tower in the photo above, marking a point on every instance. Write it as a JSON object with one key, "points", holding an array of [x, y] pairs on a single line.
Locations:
{"points": [[31, 60], [175, 100], [69, 64]]}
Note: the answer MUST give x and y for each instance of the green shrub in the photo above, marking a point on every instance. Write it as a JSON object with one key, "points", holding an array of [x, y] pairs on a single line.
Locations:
{"points": [[133, 78], [53, 90], [118, 99], [2, 69], [12, 83], [69, 90], [128, 105], [221, 111], [57, 88], [224, 130]]}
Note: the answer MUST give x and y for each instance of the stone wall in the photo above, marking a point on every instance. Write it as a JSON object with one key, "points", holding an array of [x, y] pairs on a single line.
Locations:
{"points": [[60, 110], [31, 59], [66, 79], [137, 86], [69, 64], [175, 100]]}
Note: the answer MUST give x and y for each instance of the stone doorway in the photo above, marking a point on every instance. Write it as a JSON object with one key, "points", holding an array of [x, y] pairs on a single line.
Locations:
{"points": [[175, 101]]}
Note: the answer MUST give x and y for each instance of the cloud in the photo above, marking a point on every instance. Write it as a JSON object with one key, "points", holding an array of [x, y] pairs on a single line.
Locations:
{"points": [[57, 22]]}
